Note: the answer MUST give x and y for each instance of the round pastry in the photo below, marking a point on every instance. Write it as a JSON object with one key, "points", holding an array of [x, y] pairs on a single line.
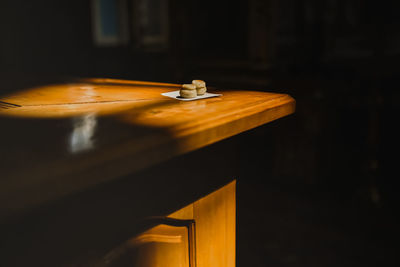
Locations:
{"points": [[188, 93], [189, 86], [201, 91], [199, 83]]}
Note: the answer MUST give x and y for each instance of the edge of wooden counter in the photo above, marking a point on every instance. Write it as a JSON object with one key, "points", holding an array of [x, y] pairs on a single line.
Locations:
{"points": [[69, 176]]}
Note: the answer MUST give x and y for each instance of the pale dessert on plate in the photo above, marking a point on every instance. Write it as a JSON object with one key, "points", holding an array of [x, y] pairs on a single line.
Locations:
{"points": [[188, 91], [200, 86]]}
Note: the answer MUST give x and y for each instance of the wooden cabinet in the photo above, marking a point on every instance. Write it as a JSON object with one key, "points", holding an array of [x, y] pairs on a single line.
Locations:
{"points": [[209, 241]]}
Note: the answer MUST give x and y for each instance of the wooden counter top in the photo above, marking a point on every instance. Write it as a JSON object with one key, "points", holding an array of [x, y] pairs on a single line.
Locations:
{"points": [[59, 139]]}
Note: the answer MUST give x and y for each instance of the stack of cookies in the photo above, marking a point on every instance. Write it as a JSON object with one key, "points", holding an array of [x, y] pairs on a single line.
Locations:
{"points": [[197, 87], [200, 86], [188, 91]]}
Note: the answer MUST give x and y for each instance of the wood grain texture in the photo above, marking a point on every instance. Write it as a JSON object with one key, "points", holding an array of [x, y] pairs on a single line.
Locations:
{"points": [[215, 216], [68, 137]]}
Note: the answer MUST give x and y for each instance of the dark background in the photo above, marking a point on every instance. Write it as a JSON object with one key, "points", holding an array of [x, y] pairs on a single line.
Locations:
{"points": [[318, 188]]}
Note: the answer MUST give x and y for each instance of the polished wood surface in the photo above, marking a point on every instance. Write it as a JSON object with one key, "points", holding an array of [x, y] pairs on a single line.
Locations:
{"points": [[63, 138]]}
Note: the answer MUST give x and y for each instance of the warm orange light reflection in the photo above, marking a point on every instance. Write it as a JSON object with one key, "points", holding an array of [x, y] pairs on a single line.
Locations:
{"points": [[128, 82], [215, 219], [68, 100]]}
